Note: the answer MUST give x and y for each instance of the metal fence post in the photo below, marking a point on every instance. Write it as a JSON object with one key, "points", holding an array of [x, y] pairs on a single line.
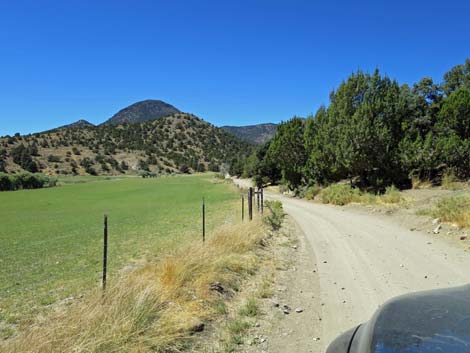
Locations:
{"points": [[105, 249], [203, 220], [262, 201], [243, 208], [250, 203]]}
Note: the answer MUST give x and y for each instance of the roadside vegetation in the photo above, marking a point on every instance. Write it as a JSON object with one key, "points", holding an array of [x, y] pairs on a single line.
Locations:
{"points": [[455, 209], [343, 194], [159, 306], [275, 216], [374, 133]]}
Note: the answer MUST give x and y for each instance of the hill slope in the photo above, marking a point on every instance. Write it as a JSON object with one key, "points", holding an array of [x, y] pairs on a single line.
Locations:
{"points": [[78, 124], [142, 111], [258, 134], [177, 143]]}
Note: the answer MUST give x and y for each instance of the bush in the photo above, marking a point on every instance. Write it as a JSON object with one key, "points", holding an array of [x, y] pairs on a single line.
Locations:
{"points": [[449, 180], [392, 195], [276, 214], [25, 181], [312, 191], [6, 182], [54, 159], [454, 209], [340, 194]]}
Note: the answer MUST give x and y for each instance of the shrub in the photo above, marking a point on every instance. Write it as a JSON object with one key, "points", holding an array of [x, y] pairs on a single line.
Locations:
{"points": [[6, 182], [275, 216], [340, 194], [449, 180], [392, 195], [53, 159], [25, 181], [454, 209], [22, 156], [124, 165], [312, 191]]}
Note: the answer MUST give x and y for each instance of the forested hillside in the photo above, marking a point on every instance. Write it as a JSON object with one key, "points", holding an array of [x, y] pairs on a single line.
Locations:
{"points": [[257, 134], [374, 133], [176, 143]]}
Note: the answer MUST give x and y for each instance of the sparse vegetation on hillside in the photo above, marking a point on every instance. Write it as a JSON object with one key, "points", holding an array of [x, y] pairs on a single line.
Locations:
{"points": [[258, 134], [178, 143]]}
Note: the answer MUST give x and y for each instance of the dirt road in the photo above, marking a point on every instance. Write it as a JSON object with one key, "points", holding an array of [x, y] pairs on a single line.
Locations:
{"points": [[361, 261]]}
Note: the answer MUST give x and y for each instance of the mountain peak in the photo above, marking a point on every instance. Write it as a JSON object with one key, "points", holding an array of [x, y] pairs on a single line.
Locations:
{"points": [[149, 109], [82, 123]]}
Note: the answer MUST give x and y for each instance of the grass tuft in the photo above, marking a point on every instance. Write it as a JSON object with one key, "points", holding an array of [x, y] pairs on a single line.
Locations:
{"points": [[392, 196], [250, 309], [340, 194], [454, 209]]}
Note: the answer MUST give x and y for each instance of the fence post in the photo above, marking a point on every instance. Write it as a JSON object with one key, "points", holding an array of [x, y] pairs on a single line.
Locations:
{"points": [[105, 249], [262, 201], [203, 221], [243, 208], [250, 203]]}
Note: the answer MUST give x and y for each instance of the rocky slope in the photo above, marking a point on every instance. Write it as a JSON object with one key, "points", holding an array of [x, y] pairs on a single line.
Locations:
{"points": [[142, 111]]}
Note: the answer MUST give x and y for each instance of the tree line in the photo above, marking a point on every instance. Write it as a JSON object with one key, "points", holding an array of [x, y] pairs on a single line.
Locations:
{"points": [[24, 180], [374, 133]]}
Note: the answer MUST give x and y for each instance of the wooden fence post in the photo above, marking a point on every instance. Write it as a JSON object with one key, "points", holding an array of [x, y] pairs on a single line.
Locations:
{"points": [[105, 249]]}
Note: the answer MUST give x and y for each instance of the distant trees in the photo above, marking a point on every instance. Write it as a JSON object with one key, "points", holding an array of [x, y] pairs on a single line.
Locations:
{"points": [[25, 181], [3, 163], [375, 133], [22, 156], [87, 164]]}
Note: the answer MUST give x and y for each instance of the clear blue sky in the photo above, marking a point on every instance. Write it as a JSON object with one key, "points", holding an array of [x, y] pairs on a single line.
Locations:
{"points": [[229, 62]]}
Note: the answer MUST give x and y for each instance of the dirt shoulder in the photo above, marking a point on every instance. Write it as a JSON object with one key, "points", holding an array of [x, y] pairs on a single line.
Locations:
{"points": [[291, 319]]}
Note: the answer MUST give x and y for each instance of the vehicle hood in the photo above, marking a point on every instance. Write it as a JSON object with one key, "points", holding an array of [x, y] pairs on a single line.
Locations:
{"points": [[425, 322]]}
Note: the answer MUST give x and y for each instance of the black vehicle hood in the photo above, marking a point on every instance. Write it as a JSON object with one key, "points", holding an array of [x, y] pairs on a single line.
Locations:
{"points": [[425, 322]]}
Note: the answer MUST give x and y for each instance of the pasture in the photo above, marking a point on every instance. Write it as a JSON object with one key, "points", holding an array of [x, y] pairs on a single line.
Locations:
{"points": [[51, 239]]}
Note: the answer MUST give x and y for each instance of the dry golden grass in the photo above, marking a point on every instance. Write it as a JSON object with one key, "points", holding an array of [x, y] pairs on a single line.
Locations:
{"points": [[420, 184], [155, 308], [454, 209]]}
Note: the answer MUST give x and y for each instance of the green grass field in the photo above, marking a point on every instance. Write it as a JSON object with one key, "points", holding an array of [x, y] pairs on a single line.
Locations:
{"points": [[51, 239]]}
